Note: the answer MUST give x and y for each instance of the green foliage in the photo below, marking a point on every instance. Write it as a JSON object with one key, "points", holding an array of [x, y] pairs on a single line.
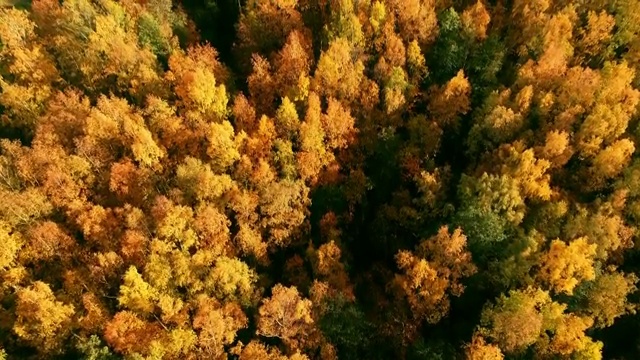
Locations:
{"points": [[284, 158], [150, 34], [93, 348], [450, 51], [432, 349], [347, 328]]}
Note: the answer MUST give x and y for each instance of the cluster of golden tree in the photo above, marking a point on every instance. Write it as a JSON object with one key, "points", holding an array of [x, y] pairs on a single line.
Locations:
{"points": [[373, 179]]}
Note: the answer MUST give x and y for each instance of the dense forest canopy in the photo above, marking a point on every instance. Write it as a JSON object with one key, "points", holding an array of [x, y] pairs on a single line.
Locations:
{"points": [[319, 179]]}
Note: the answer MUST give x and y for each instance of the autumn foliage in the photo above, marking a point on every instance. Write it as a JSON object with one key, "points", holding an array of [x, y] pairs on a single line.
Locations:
{"points": [[299, 179]]}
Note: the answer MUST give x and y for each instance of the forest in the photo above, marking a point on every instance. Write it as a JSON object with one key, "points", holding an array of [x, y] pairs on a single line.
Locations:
{"points": [[319, 179]]}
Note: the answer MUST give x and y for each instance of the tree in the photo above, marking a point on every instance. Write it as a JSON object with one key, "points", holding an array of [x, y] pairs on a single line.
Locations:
{"points": [[565, 266], [515, 321], [338, 126], [478, 349], [475, 20], [221, 149], [327, 266], [595, 38], [212, 228], [136, 294], [231, 280], [605, 298], [198, 182], [263, 27], [92, 349], [569, 338], [338, 74], [41, 320], [283, 206], [292, 66], [343, 22], [557, 148], [285, 315], [612, 160], [313, 154], [602, 226], [450, 48], [113, 61], [12, 243], [217, 325], [529, 172], [257, 350], [416, 20], [113, 122], [287, 122], [451, 100], [345, 326], [128, 334], [198, 81], [28, 71], [431, 275], [47, 241], [496, 194]]}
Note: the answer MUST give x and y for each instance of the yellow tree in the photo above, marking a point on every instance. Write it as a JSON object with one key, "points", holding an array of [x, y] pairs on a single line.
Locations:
{"points": [[564, 265], [12, 243], [198, 81], [136, 294], [285, 315], [433, 273], [615, 104], [327, 266], [337, 74], [602, 226], [611, 161], [451, 100], [338, 125], [231, 280], [27, 70], [595, 38], [565, 336], [113, 122], [222, 147], [528, 19], [530, 172], [198, 182], [313, 155], [551, 43], [112, 52], [255, 350], [286, 120], [171, 131], [291, 67], [475, 20], [283, 208], [41, 320], [557, 148], [416, 19], [217, 325], [478, 349]]}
